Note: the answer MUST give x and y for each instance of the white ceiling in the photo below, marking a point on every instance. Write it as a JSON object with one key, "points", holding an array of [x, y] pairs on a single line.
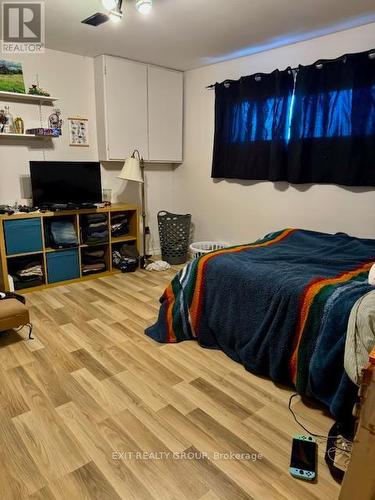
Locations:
{"points": [[185, 34]]}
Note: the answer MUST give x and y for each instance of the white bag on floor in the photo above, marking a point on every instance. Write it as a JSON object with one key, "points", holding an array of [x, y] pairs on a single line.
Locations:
{"points": [[159, 265]]}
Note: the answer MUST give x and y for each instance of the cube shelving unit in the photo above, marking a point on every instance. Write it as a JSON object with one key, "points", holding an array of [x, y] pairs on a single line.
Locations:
{"points": [[23, 236]]}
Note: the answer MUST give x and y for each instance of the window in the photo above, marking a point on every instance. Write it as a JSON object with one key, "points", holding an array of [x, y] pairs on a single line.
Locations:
{"points": [[252, 126], [315, 124]]}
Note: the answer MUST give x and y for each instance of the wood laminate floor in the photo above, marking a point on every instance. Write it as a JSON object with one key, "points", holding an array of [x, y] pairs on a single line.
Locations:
{"points": [[93, 409]]}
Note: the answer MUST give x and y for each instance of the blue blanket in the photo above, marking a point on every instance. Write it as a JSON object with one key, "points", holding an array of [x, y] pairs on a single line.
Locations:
{"points": [[279, 306]]}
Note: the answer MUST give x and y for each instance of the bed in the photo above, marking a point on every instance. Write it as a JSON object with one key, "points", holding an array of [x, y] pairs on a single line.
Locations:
{"points": [[280, 306]]}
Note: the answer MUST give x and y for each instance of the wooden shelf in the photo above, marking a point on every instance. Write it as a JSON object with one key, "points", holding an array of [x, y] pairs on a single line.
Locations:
{"points": [[32, 289], [123, 239], [82, 245], [36, 99], [89, 245], [6, 261], [67, 282], [26, 136], [23, 254], [118, 207], [99, 274], [52, 250]]}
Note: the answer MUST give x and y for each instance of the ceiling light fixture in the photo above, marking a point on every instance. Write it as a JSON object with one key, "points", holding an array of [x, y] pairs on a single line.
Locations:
{"points": [[115, 12], [109, 4], [144, 6], [115, 15]]}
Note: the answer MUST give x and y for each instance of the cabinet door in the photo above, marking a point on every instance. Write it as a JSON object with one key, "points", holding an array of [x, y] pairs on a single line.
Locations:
{"points": [[23, 236], [165, 102], [126, 110]]}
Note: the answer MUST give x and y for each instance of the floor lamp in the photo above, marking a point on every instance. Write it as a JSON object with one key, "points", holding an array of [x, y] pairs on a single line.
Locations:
{"points": [[134, 170]]}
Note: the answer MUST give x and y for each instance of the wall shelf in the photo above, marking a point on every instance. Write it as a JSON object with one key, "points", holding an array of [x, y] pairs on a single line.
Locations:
{"points": [[26, 136], [30, 98], [36, 99]]}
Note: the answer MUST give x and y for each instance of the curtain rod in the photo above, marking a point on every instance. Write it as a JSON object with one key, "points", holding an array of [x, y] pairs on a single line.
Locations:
{"points": [[319, 64]]}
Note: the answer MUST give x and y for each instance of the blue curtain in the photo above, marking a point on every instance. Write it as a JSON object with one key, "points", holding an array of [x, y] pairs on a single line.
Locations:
{"points": [[313, 125], [332, 130], [251, 126], [260, 120]]}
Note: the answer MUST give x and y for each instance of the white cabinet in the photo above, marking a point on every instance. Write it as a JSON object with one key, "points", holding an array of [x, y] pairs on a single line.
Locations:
{"points": [[121, 95], [138, 107], [165, 94]]}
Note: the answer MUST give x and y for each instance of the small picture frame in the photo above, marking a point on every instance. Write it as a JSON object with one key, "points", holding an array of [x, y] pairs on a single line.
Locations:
{"points": [[78, 132], [11, 77]]}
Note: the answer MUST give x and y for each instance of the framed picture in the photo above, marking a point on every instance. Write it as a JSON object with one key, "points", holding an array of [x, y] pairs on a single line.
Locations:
{"points": [[78, 132], [11, 77]]}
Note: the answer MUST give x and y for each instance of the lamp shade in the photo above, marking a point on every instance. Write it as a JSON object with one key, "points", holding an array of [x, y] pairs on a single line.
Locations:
{"points": [[131, 170]]}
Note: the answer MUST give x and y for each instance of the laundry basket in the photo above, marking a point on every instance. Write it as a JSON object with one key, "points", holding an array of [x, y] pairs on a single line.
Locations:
{"points": [[174, 232], [202, 247]]}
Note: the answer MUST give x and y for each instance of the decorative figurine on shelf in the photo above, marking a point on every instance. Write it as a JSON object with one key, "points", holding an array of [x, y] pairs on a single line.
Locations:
{"points": [[44, 132], [19, 125], [9, 123], [36, 90], [55, 121], [2, 120]]}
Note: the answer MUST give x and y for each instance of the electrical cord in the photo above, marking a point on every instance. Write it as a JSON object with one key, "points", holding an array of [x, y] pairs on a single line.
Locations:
{"points": [[298, 422], [312, 433], [334, 454]]}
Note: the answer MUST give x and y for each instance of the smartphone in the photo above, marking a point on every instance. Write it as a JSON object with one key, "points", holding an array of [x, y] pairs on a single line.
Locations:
{"points": [[304, 455]]}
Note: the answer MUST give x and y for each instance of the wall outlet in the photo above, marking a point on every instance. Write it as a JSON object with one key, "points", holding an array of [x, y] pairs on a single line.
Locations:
{"points": [[147, 230]]}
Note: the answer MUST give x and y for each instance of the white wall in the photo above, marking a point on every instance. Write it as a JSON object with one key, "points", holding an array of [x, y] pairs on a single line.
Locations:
{"points": [[240, 211], [70, 78]]}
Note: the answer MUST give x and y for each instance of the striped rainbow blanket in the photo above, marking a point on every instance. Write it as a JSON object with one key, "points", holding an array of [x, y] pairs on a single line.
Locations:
{"points": [[279, 306]]}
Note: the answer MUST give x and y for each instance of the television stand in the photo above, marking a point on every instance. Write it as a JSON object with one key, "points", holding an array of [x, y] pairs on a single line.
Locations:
{"points": [[23, 241], [86, 206], [57, 207]]}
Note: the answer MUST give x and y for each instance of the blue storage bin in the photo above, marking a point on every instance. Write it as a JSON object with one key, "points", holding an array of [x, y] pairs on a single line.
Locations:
{"points": [[23, 236], [62, 265]]}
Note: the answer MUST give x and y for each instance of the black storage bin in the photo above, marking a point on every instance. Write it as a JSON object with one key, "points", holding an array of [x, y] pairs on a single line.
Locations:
{"points": [[174, 233]]}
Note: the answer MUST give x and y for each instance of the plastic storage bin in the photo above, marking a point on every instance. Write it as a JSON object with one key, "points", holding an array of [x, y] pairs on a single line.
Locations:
{"points": [[23, 236], [202, 247], [62, 265], [174, 232]]}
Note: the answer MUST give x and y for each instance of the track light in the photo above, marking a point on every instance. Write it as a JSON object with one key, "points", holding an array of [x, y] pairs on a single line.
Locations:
{"points": [[144, 6], [109, 4], [115, 15], [114, 7]]}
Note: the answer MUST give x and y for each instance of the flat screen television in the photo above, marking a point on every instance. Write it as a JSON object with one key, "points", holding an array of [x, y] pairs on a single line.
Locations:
{"points": [[63, 182]]}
